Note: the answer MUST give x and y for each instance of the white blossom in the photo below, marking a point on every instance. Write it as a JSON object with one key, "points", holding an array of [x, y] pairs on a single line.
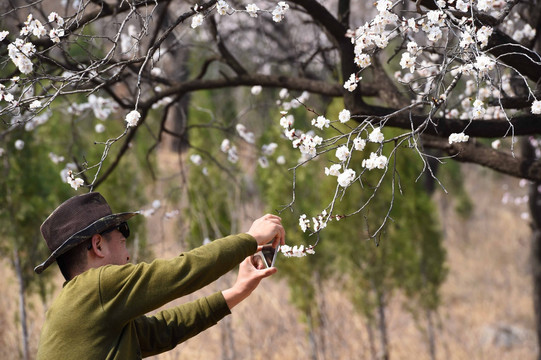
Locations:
{"points": [[496, 144], [99, 128], [248, 136], [296, 251], [75, 183], [458, 137], [286, 121], [342, 153], [466, 38], [483, 34], [376, 136], [197, 20], [281, 160], [263, 162], [56, 34], [54, 17], [225, 145], [222, 7], [3, 35], [407, 61], [536, 107], [412, 47], [363, 60], [346, 178], [320, 122], [484, 5], [55, 158], [359, 144], [319, 222], [344, 116], [232, 155], [196, 159], [334, 170], [19, 144], [351, 83], [304, 223], [256, 90], [269, 149], [383, 5], [133, 118], [375, 162], [20, 53], [478, 110], [279, 11], [462, 5], [252, 9], [483, 63], [36, 104]]}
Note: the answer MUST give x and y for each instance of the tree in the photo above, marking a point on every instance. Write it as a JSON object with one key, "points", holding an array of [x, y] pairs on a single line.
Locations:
{"points": [[468, 73]]}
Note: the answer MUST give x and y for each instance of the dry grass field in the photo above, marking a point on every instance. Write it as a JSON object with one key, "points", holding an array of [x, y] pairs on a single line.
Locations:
{"points": [[487, 296]]}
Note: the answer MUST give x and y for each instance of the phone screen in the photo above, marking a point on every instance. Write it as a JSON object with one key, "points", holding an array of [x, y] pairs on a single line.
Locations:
{"points": [[266, 256], [269, 254]]}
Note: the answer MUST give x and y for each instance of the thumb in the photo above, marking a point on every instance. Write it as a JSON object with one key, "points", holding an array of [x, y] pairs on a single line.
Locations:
{"points": [[267, 272]]}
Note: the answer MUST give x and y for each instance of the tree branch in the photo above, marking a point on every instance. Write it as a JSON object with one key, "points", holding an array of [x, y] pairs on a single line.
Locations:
{"points": [[477, 153]]}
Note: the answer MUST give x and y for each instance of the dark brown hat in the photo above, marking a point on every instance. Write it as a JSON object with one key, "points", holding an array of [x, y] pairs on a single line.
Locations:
{"points": [[75, 221]]}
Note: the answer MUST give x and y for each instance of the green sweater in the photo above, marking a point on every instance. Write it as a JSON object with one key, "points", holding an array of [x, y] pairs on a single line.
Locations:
{"points": [[99, 314]]}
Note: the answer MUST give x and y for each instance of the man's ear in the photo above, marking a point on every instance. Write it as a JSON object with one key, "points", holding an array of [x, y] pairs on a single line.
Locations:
{"points": [[97, 242]]}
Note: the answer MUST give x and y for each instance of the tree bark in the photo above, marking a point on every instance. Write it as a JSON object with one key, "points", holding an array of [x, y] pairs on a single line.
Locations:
{"points": [[534, 203], [371, 339], [383, 336], [22, 303], [431, 334]]}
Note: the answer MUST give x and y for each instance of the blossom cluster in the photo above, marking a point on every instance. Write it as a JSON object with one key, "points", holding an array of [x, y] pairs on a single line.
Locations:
{"points": [[101, 107], [223, 8], [265, 151], [74, 182], [20, 51], [297, 251], [458, 137]]}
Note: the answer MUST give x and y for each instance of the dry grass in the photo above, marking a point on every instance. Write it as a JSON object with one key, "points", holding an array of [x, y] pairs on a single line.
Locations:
{"points": [[489, 284]]}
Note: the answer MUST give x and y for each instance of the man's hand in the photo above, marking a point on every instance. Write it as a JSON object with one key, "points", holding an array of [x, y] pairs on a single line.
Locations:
{"points": [[248, 279], [268, 228]]}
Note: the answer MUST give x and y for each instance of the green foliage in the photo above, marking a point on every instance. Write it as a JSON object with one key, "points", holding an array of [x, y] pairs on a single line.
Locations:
{"points": [[451, 176], [410, 256], [31, 185], [27, 192]]}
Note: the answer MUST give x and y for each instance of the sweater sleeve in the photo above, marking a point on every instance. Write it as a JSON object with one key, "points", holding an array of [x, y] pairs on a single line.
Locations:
{"points": [[166, 329], [129, 291]]}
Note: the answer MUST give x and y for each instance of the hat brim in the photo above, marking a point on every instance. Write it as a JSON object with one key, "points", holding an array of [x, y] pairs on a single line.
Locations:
{"points": [[96, 227]]}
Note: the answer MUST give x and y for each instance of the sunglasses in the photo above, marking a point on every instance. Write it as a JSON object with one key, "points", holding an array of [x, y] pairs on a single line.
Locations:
{"points": [[122, 227]]}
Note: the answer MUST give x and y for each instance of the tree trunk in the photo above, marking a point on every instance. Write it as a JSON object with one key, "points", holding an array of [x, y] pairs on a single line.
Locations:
{"points": [[227, 335], [383, 336], [371, 339], [535, 211], [322, 340], [536, 272], [228, 343], [312, 342], [534, 204], [431, 334], [22, 303]]}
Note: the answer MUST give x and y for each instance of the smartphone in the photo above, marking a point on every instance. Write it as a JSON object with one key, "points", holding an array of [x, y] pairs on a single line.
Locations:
{"points": [[266, 256]]}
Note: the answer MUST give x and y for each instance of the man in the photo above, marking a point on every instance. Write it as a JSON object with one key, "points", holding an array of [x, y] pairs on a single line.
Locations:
{"points": [[100, 312]]}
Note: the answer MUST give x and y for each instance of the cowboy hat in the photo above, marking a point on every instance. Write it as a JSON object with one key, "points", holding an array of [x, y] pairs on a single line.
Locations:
{"points": [[75, 221]]}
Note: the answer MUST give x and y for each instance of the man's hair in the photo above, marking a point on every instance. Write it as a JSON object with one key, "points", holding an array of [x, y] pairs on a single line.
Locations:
{"points": [[73, 260]]}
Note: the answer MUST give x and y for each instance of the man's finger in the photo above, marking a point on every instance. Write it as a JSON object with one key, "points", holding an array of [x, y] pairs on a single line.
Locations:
{"points": [[267, 272]]}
